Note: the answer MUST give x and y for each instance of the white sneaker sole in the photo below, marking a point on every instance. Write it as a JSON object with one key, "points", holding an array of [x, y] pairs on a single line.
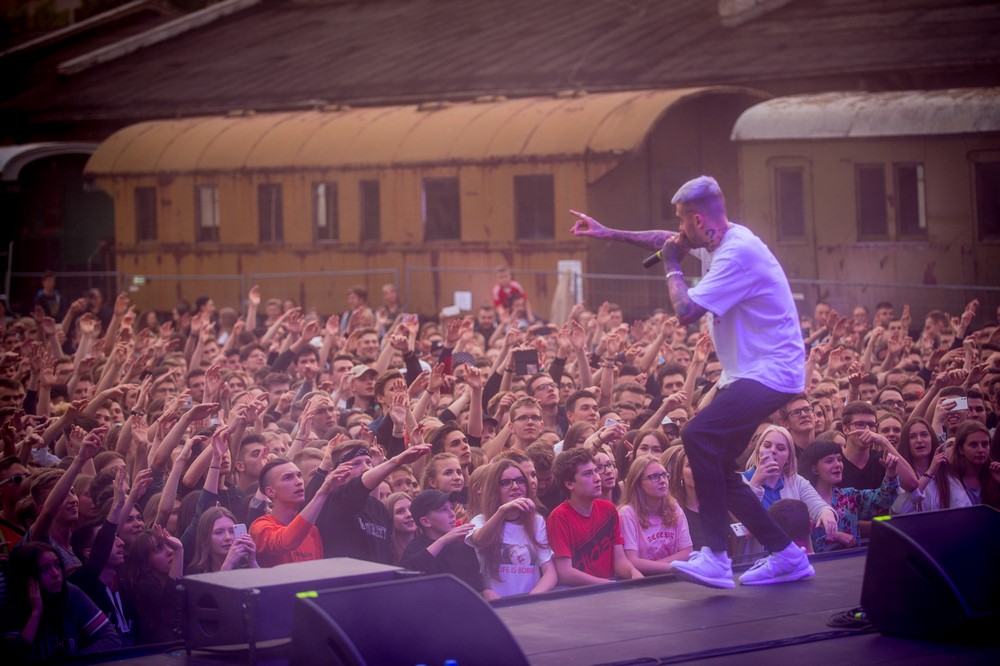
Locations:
{"points": [[787, 578], [719, 583]]}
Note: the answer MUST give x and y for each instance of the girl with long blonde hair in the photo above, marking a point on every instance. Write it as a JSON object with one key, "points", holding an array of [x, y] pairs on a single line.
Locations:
{"points": [[652, 522]]}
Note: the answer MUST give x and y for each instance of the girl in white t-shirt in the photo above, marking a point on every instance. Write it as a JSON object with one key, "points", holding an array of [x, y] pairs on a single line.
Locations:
{"points": [[652, 522], [509, 536]]}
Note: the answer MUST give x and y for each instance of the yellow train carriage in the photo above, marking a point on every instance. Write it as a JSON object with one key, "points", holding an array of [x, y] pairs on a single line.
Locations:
{"points": [[893, 188], [310, 203]]}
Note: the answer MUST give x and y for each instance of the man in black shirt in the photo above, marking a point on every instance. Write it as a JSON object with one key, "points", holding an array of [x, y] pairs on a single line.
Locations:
{"points": [[352, 522]]}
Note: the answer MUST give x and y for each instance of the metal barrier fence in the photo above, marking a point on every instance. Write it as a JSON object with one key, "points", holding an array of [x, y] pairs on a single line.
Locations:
{"points": [[21, 287], [639, 295], [325, 291], [427, 290], [163, 292]]}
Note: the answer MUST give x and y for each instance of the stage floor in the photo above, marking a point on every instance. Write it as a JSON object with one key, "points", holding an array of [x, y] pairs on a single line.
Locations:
{"points": [[671, 621], [665, 621]]}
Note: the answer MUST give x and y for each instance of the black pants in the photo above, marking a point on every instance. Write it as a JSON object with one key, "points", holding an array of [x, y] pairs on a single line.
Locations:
{"points": [[713, 440]]}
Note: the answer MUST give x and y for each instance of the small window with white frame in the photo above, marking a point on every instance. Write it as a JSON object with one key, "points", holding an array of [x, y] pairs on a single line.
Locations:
{"points": [[326, 217], [207, 213], [911, 208]]}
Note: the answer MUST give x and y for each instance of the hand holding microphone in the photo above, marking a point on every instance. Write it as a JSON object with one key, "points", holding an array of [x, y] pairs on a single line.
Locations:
{"points": [[675, 249]]}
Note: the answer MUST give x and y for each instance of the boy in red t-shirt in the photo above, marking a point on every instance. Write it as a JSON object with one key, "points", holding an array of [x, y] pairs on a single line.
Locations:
{"points": [[583, 531]]}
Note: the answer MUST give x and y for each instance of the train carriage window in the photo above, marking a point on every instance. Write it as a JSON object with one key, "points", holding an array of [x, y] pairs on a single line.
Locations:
{"points": [[145, 214], [326, 217], [988, 199], [791, 203], [371, 212], [534, 207], [269, 213], [442, 217], [871, 201], [911, 212], [207, 213]]}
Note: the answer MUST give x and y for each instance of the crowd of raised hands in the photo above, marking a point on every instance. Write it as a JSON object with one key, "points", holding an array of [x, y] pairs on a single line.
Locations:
{"points": [[140, 447]]}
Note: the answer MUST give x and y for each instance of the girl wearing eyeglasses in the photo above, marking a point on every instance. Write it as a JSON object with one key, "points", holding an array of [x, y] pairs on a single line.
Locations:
{"points": [[604, 463], [652, 522], [509, 536]]}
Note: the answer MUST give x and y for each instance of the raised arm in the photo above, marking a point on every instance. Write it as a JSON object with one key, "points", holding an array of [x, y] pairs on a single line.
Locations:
{"points": [[652, 239], [376, 475], [57, 496]]}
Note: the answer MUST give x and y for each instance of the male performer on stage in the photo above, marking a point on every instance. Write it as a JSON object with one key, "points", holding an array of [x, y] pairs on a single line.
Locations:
{"points": [[755, 328]]}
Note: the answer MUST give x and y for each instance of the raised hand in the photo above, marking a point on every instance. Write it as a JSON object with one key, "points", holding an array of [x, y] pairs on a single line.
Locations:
{"points": [[35, 597], [856, 374], [335, 479], [675, 400], [399, 409], [889, 461], [517, 506], [588, 226], [143, 479], [702, 348], [454, 331], [413, 454], [457, 533], [92, 442], [203, 411], [220, 444], [121, 305]]}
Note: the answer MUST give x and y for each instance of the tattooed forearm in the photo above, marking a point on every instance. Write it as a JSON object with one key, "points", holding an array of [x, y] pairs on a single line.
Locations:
{"points": [[651, 240], [687, 310]]}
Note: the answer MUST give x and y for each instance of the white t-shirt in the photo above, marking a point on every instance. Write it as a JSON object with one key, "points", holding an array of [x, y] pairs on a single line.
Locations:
{"points": [[655, 542], [754, 322], [520, 559]]}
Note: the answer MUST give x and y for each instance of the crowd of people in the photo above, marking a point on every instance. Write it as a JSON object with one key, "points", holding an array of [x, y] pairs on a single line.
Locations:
{"points": [[517, 454]]}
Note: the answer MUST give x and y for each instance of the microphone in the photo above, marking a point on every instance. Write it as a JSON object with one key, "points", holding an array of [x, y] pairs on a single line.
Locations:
{"points": [[652, 260]]}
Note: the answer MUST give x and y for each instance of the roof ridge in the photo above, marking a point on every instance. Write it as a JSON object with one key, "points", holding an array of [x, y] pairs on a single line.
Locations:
{"points": [[91, 22], [155, 35]]}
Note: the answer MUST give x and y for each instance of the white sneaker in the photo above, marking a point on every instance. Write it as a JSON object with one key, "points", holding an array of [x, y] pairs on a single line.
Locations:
{"points": [[706, 568], [781, 567]]}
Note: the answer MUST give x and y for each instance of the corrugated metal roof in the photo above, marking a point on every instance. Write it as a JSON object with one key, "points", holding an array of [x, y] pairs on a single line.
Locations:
{"points": [[859, 115], [285, 55], [531, 128]]}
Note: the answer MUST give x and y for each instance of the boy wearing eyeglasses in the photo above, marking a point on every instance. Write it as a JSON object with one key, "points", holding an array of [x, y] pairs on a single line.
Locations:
{"points": [[520, 432], [584, 534], [14, 478], [864, 447], [797, 416]]}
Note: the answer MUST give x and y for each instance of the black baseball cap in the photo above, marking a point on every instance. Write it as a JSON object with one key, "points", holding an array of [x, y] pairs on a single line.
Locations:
{"points": [[427, 501]]}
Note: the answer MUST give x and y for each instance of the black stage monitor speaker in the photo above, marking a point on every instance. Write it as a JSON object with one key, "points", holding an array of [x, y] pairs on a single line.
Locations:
{"points": [[426, 620], [935, 575], [246, 606]]}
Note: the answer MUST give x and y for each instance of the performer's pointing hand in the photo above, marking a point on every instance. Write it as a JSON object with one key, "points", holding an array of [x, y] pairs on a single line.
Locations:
{"points": [[588, 226]]}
